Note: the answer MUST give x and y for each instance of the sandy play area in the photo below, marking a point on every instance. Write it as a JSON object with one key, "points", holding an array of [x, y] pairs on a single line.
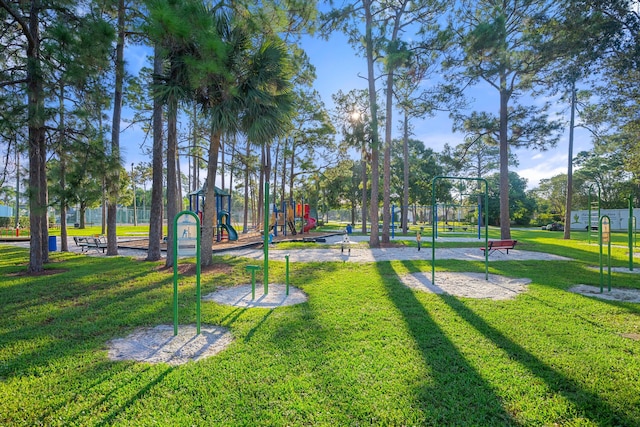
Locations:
{"points": [[159, 345], [470, 285]]}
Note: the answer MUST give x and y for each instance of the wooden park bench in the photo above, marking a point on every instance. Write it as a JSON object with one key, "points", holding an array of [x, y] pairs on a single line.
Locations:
{"points": [[499, 245]]}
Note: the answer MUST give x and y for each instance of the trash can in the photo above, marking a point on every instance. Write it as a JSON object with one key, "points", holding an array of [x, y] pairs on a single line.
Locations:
{"points": [[52, 244]]}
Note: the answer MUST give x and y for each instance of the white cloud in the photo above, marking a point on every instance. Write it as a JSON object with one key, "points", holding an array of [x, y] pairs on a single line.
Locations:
{"points": [[542, 166]]}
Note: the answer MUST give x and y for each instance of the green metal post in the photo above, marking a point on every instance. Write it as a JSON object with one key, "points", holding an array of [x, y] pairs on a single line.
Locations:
{"points": [[631, 232], [253, 284], [266, 237], [198, 291], [175, 279], [434, 214], [589, 201], [252, 269], [287, 272], [486, 229]]}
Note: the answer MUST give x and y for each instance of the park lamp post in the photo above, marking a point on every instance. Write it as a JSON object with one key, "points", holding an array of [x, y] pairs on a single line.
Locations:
{"points": [[133, 184]]}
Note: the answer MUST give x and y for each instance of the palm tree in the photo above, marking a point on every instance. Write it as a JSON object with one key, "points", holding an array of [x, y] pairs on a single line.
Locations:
{"points": [[179, 29], [249, 91]]}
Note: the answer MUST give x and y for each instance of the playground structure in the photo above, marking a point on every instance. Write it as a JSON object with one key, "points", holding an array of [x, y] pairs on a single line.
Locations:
{"points": [[596, 216], [223, 211], [416, 214], [289, 220], [457, 218]]}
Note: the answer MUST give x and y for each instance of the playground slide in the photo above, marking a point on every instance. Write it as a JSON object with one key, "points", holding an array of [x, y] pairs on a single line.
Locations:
{"points": [[311, 223], [233, 234]]}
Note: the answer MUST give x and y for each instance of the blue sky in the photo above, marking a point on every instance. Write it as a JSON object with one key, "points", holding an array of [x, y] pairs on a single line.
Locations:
{"points": [[338, 68]]}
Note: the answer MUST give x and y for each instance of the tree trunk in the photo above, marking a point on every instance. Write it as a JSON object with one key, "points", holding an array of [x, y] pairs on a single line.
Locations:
{"points": [[222, 166], [232, 167], [505, 226], [209, 212], [64, 247], [283, 179], [83, 213], [292, 170], [35, 99], [274, 186], [405, 189], [363, 172], [112, 239], [103, 206], [567, 213], [155, 220], [172, 188], [386, 172], [260, 200], [374, 240], [179, 198], [245, 225]]}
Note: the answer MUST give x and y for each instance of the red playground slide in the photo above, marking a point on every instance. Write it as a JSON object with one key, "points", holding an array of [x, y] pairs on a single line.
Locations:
{"points": [[311, 223]]}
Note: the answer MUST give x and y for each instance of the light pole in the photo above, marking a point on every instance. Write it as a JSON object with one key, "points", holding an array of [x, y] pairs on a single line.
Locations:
{"points": [[133, 184]]}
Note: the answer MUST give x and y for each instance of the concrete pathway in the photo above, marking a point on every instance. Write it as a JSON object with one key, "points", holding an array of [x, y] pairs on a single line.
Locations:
{"points": [[357, 254]]}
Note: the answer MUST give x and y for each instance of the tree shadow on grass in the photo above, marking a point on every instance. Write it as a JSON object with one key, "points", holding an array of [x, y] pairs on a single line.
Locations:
{"points": [[589, 404], [458, 394]]}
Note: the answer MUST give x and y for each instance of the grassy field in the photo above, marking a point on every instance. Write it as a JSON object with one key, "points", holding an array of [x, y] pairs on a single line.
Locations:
{"points": [[364, 349]]}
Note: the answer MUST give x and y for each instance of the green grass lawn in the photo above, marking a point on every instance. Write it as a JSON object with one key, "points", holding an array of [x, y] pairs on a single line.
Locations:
{"points": [[121, 230], [364, 349]]}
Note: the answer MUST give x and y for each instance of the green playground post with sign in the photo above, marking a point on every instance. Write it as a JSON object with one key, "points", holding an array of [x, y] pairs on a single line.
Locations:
{"points": [[186, 244]]}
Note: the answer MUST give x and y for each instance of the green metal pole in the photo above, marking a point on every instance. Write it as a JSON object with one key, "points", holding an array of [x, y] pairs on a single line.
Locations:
{"points": [[253, 282], [433, 230], [198, 258], [175, 275], [266, 237], [631, 232], [609, 259], [486, 229], [287, 272]]}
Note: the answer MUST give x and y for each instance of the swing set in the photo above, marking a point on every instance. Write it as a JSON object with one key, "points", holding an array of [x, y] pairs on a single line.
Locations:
{"points": [[481, 205]]}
